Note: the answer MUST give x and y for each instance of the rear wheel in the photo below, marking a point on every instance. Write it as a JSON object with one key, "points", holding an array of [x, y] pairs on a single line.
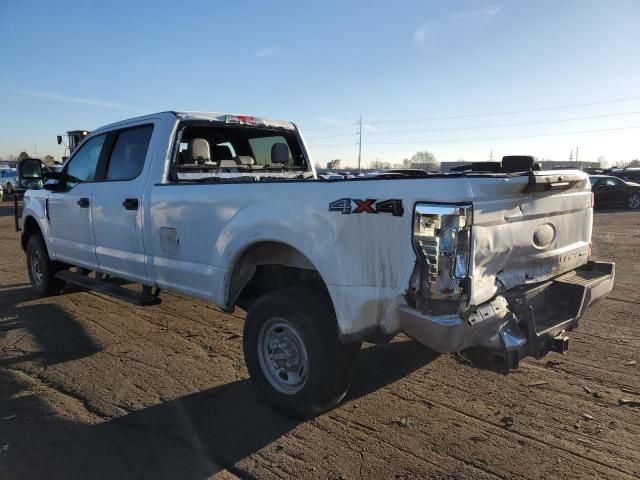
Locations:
{"points": [[41, 269], [634, 200], [293, 352]]}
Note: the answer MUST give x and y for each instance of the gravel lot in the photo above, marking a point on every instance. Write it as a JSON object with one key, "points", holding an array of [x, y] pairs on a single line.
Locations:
{"points": [[94, 388]]}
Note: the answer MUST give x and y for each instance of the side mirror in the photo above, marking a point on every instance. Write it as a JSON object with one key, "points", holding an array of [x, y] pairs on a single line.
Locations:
{"points": [[59, 137], [29, 174]]}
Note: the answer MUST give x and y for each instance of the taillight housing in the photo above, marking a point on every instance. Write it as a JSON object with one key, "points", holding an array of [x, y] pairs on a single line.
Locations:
{"points": [[442, 240]]}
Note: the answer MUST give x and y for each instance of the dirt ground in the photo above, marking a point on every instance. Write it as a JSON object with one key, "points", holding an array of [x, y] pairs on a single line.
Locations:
{"points": [[94, 388]]}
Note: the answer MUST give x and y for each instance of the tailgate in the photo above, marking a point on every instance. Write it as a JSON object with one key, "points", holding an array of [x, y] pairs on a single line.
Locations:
{"points": [[528, 229]]}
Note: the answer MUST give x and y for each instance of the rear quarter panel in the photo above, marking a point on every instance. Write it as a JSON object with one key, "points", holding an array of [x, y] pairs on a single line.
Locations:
{"points": [[366, 259]]}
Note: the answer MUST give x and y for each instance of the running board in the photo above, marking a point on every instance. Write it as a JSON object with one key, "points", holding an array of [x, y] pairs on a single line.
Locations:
{"points": [[108, 289]]}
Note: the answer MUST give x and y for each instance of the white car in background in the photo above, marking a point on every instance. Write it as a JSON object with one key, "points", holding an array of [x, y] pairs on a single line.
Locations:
{"points": [[8, 179]]}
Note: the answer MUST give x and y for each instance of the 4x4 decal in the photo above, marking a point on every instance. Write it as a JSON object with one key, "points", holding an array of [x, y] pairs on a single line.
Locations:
{"points": [[347, 206]]}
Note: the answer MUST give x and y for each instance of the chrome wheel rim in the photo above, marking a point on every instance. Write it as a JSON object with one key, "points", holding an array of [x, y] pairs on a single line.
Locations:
{"points": [[283, 356], [634, 201], [36, 267]]}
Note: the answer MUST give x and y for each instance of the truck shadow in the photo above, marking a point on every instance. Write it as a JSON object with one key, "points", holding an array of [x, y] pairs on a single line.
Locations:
{"points": [[52, 335], [191, 437]]}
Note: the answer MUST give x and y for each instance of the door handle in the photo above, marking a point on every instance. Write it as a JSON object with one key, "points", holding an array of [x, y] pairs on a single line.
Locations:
{"points": [[130, 204], [83, 202]]}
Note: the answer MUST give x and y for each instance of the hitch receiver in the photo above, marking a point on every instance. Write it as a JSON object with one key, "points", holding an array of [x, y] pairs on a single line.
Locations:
{"points": [[560, 344]]}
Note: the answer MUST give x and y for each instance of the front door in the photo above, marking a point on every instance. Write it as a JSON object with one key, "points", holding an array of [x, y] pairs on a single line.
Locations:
{"points": [[117, 204], [69, 210]]}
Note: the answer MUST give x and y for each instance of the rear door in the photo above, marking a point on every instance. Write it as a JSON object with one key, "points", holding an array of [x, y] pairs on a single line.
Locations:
{"points": [[117, 206], [69, 210]]}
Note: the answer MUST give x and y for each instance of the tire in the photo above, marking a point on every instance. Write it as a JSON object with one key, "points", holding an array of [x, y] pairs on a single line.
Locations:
{"points": [[300, 321], [634, 201], [41, 269]]}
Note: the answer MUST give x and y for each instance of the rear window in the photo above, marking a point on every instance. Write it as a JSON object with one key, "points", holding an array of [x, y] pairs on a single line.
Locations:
{"points": [[237, 152], [129, 152]]}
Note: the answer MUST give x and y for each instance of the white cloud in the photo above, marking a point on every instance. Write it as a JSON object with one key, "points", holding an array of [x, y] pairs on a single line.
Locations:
{"points": [[78, 100], [455, 28], [268, 52]]}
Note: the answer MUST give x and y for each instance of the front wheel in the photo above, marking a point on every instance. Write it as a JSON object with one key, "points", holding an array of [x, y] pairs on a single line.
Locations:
{"points": [[634, 200], [41, 269], [293, 352]]}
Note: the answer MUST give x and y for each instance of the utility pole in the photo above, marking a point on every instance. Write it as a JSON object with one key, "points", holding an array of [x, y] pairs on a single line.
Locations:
{"points": [[576, 154], [491, 156], [360, 144], [571, 156]]}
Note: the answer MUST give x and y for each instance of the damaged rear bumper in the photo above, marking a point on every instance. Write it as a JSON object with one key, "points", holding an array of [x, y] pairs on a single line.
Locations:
{"points": [[526, 321]]}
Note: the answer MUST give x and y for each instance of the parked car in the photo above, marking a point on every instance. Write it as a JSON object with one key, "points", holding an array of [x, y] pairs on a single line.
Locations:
{"points": [[229, 208], [628, 174], [8, 179], [613, 191]]}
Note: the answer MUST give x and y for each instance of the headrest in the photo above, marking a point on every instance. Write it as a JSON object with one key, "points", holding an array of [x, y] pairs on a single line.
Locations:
{"points": [[245, 160], [199, 150], [280, 153], [221, 152]]}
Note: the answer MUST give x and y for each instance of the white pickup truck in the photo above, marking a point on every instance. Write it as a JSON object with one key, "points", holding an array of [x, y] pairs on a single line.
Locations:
{"points": [[229, 208]]}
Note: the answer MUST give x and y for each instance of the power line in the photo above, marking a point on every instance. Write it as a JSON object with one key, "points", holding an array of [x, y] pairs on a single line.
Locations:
{"points": [[360, 142], [335, 136], [511, 112], [506, 138], [335, 146], [474, 127], [485, 114], [331, 126]]}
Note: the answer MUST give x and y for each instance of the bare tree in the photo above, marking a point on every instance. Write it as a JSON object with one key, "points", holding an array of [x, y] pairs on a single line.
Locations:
{"points": [[23, 155], [379, 165], [334, 164], [425, 161], [602, 162]]}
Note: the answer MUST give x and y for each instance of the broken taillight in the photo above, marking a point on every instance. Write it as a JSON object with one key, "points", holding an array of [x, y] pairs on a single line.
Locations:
{"points": [[442, 240]]}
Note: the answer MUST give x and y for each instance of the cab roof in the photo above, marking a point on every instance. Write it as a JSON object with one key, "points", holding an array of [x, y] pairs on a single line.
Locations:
{"points": [[223, 118]]}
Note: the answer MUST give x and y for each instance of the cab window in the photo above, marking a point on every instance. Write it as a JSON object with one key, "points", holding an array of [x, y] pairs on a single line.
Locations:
{"points": [[611, 182], [129, 152], [82, 166]]}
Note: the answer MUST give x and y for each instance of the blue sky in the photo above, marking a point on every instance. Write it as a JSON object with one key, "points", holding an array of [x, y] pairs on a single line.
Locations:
{"points": [[462, 68]]}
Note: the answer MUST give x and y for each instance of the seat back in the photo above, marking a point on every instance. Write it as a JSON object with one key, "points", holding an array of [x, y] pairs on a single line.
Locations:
{"points": [[280, 153], [198, 151]]}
